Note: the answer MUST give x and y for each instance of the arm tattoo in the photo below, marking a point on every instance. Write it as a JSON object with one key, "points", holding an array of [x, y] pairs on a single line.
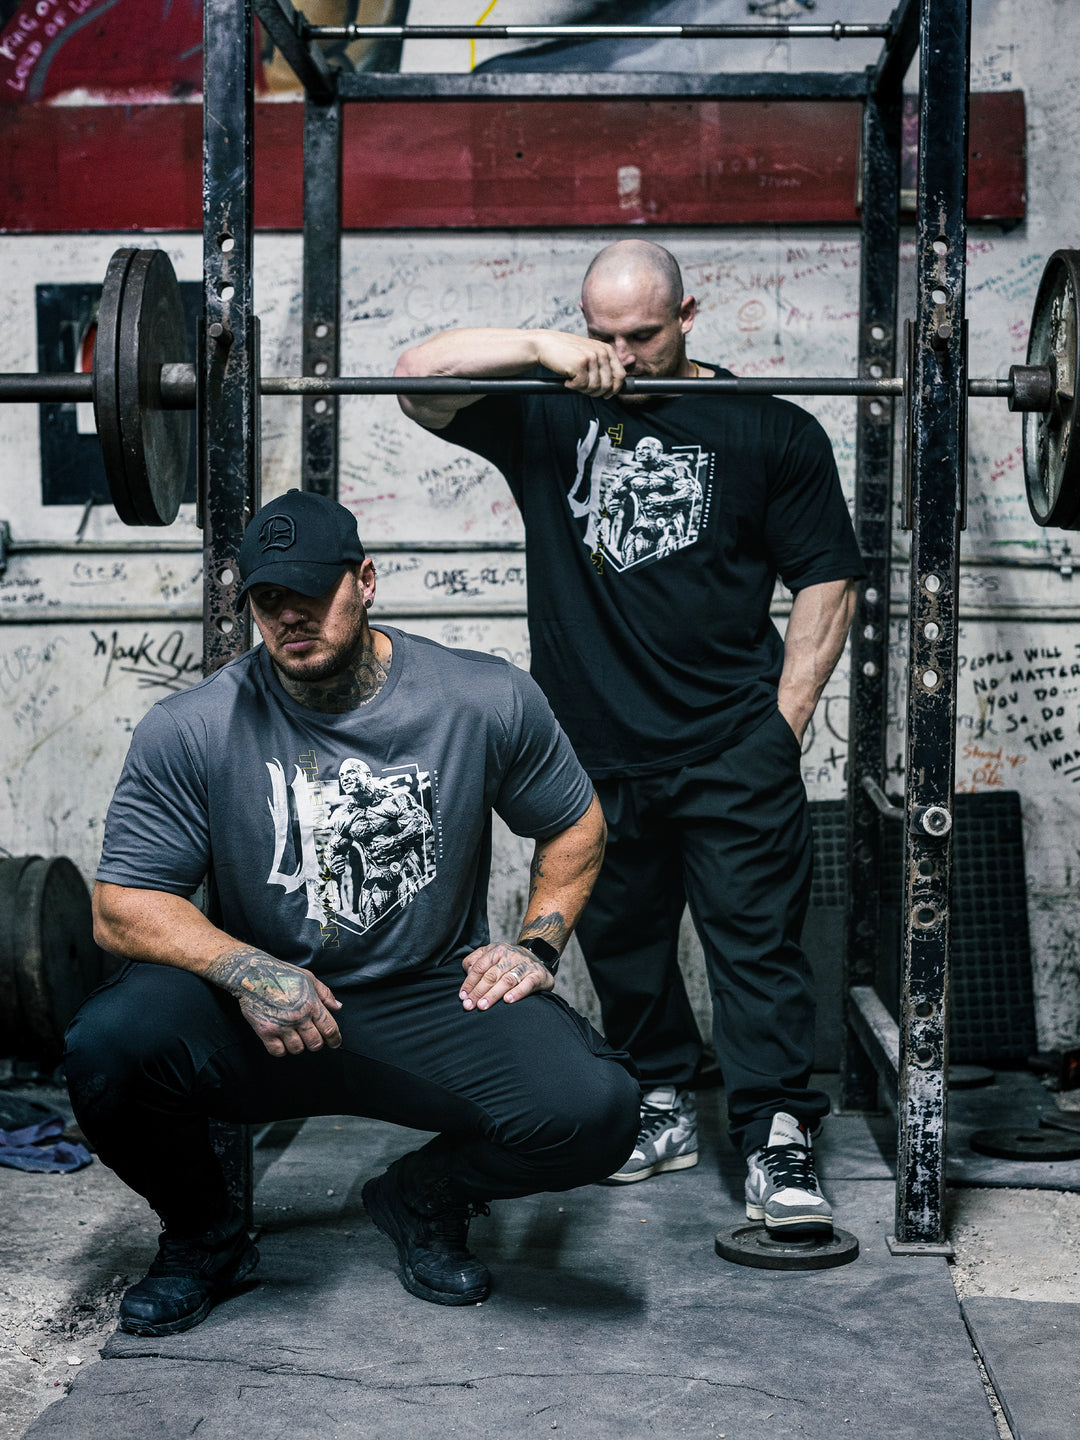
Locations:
{"points": [[551, 927]]}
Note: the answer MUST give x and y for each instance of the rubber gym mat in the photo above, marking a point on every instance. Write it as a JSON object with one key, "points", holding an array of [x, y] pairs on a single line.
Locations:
{"points": [[1030, 1348]]}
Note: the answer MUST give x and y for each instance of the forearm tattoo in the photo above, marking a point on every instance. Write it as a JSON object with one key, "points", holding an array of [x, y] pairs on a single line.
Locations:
{"points": [[551, 927]]}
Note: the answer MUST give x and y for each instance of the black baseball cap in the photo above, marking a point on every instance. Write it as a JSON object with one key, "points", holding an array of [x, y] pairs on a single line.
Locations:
{"points": [[300, 541]]}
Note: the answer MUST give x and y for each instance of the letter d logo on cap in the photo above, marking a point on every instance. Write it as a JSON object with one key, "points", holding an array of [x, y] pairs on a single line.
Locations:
{"points": [[277, 532]]}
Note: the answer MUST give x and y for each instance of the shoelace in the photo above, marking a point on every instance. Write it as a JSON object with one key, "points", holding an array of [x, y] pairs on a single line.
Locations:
{"points": [[791, 1167], [176, 1257], [655, 1118], [448, 1220]]}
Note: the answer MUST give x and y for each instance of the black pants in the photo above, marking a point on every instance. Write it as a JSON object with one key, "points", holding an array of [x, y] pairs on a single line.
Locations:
{"points": [[730, 836], [527, 1096]]}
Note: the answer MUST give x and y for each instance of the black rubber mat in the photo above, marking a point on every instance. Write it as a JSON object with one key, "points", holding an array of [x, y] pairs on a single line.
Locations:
{"points": [[1030, 1351], [611, 1318]]}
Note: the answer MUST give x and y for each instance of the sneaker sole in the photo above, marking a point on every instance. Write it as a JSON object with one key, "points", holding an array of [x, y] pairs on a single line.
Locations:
{"points": [[383, 1218], [244, 1267], [797, 1225], [677, 1162]]}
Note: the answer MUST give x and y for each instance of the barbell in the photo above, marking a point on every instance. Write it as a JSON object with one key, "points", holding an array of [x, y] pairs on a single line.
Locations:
{"points": [[143, 392]]}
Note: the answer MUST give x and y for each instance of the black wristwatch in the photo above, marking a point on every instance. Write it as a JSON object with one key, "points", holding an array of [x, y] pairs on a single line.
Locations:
{"points": [[545, 953]]}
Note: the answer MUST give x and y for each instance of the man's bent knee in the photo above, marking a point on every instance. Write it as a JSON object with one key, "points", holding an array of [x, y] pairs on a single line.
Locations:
{"points": [[598, 1128]]}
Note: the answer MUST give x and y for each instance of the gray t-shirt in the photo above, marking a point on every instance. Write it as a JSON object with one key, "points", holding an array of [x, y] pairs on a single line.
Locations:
{"points": [[358, 845]]}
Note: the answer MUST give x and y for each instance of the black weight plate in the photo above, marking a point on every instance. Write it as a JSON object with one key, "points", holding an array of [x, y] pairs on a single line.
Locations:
{"points": [[57, 962], [1051, 439], [106, 396], [751, 1244], [1026, 1143], [155, 441], [11, 871]]}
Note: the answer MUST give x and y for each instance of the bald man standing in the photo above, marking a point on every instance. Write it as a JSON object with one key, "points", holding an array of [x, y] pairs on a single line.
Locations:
{"points": [[655, 530]]}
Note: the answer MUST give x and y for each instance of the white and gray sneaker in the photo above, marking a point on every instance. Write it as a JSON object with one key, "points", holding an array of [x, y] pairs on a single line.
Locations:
{"points": [[667, 1139], [781, 1186]]}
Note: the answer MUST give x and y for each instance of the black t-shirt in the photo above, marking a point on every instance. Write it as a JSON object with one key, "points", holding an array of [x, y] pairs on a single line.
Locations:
{"points": [[654, 536]]}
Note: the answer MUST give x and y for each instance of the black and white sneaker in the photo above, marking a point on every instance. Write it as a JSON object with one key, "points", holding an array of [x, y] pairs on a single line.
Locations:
{"points": [[667, 1139], [781, 1186]]}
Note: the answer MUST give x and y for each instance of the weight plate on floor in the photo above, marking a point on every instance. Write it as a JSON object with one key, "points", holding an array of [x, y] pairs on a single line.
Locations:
{"points": [[1051, 441], [1026, 1143], [751, 1244]]}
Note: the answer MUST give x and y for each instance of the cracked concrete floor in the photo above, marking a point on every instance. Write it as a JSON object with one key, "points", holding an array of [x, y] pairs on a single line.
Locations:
{"points": [[70, 1244]]}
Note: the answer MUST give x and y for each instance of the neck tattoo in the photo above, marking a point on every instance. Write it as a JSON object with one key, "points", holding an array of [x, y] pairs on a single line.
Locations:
{"points": [[356, 685]]}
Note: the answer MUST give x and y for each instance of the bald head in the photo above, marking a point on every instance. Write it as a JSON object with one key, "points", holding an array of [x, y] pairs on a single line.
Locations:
{"points": [[636, 268], [632, 299]]}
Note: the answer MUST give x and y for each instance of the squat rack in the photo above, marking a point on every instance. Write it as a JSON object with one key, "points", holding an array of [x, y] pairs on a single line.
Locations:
{"points": [[908, 1060]]}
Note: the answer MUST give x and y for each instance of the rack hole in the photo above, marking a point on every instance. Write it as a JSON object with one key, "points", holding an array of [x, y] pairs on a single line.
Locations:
{"points": [[320, 407], [869, 669], [226, 244], [877, 332], [321, 331], [321, 367], [941, 246], [932, 583], [931, 631], [226, 291], [225, 624], [939, 297], [930, 678], [871, 595], [226, 576], [876, 408]]}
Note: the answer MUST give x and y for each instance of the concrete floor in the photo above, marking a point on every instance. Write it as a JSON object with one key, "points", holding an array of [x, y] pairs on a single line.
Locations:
{"points": [[611, 1313]]}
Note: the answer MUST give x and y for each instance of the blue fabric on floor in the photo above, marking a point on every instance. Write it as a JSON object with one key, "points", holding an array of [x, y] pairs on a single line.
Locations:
{"points": [[23, 1149]]}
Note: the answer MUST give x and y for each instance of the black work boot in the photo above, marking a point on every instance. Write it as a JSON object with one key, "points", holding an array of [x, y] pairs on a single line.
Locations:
{"points": [[189, 1276], [430, 1230]]}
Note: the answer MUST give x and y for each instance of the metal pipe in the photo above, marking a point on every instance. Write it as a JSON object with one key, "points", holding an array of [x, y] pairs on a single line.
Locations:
{"points": [[45, 388], [882, 803], [815, 30], [177, 386], [194, 547]]}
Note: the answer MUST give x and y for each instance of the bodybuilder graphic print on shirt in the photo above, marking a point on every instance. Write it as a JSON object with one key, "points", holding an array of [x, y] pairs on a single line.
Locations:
{"points": [[641, 504], [361, 845]]}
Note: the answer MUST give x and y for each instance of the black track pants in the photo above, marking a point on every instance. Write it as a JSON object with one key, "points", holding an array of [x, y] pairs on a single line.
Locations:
{"points": [[527, 1096], [731, 837]]}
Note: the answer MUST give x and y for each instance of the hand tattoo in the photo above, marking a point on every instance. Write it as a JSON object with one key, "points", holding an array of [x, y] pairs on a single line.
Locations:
{"points": [[267, 989]]}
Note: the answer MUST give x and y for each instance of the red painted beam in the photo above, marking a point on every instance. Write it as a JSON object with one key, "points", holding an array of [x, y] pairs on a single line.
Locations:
{"points": [[456, 164]]}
